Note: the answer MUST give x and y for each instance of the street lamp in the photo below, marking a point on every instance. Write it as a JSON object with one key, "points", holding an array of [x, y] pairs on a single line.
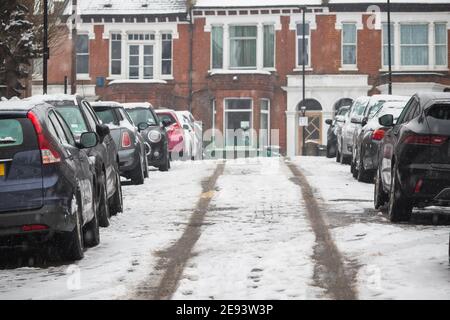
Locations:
{"points": [[303, 110], [46, 51], [389, 46]]}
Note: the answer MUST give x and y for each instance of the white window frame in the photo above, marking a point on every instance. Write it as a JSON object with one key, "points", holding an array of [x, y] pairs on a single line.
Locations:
{"points": [[355, 65], [274, 47], [141, 44], [430, 37], [225, 111], [171, 56], [84, 75], [297, 38], [211, 62], [122, 41], [266, 112]]}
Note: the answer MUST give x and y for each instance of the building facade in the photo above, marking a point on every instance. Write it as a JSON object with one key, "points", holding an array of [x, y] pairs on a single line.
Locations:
{"points": [[239, 66]]}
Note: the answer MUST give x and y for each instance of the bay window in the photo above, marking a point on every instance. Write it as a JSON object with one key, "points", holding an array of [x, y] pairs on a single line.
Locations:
{"points": [[349, 44], [440, 30], [243, 43], [414, 44], [82, 49]]}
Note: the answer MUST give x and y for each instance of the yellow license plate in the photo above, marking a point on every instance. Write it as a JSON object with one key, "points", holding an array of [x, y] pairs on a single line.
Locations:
{"points": [[2, 169]]}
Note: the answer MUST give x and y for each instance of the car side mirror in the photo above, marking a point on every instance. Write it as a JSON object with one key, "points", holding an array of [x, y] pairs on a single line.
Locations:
{"points": [[364, 121], [88, 140], [329, 122], [355, 120], [143, 126], [186, 127], [387, 120], [103, 130]]}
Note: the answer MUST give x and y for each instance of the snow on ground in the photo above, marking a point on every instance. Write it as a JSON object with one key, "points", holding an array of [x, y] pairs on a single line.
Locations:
{"points": [[397, 261], [155, 216], [256, 242]]}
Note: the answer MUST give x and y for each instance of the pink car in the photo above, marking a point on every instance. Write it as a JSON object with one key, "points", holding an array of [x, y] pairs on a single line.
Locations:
{"points": [[174, 129]]}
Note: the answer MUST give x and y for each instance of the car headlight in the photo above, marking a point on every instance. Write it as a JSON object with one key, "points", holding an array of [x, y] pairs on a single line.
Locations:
{"points": [[154, 136]]}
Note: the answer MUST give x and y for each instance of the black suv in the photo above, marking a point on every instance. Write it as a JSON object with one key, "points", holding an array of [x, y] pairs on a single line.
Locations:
{"points": [[153, 131], [414, 157], [81, 118], [46, 180], [129, 142]]}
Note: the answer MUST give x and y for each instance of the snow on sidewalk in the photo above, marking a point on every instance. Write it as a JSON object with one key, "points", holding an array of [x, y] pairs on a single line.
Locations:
{"points": [[397, 261], [155, 216], [256, 242]]}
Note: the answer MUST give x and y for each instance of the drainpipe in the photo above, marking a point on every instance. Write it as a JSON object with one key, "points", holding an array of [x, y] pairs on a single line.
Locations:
{"points": [[191, 63]]}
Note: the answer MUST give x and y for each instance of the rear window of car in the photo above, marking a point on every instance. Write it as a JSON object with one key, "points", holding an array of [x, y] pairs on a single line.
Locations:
{"points": [[106, 116], [142, 115], [11, 133], [73, 117], [439, 111]]}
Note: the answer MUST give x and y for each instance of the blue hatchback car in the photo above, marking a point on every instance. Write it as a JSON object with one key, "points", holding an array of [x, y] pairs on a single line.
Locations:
{"points": [[46, 180]]}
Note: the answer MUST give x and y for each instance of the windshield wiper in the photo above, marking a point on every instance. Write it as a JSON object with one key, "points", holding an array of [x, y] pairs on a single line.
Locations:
{"points": [[7, 140]]}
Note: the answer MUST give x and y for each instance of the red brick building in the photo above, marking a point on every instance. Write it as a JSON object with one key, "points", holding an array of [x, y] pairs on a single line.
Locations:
{"points": [[245, 58]]}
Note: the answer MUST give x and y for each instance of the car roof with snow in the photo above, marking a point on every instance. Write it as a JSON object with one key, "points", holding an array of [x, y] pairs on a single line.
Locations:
{"points": [[54, 97], [134, 105], [19, 105], [425, 97], [165, 111], [111, 104]]}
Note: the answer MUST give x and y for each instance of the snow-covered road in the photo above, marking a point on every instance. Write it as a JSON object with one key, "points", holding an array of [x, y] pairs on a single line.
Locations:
{"points": [[256, 240]]}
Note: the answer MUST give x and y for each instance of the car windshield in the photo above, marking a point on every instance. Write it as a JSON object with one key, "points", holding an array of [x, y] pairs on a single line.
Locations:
{"points": [[11, 133], [106, 116], [167, 117], [74, 119], [359, 108], [375, 108], [342, 111], [142, 115]]}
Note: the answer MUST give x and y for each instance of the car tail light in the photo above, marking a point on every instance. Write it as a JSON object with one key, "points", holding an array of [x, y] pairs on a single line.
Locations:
{"points": [[34, 227], [378, 134], [126, 140], [425, 140], [49, 155], [419, 185]]}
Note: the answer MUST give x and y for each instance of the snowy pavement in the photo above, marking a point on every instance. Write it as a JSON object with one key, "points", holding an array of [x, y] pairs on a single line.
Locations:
{"points": [[256, 240]]}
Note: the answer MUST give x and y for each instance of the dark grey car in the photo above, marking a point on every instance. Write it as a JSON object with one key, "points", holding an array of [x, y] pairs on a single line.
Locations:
{"points": [[129, 142]]}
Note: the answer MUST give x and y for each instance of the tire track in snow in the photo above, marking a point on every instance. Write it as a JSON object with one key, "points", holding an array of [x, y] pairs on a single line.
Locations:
{"points": [[331, 273], [174, 259]]}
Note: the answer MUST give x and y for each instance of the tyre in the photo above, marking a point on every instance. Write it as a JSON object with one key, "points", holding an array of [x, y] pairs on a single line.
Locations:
{"points": [[345, 159], [338, 156], [380, 197], [91, 232], [103, 205], [363, 175], [117, 202], [400, 208], [329, 154], [72, 247], [166, 166], [137, 175], [146, 172]]}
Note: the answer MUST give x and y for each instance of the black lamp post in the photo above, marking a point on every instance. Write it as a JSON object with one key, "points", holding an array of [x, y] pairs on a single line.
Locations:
{"points": [[46, 51], [389, 46], [303, 107], [303, 110]]}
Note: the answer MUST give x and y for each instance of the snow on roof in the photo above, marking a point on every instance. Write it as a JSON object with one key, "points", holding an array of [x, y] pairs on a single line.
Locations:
{"points": [[296, 3], [105, 104], [136, 105], [21, 105], [121, 7]]}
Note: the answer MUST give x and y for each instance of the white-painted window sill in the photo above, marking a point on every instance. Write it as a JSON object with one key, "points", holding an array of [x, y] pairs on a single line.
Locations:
{"points": [[300, 69], [348, 69], [84, 77]]}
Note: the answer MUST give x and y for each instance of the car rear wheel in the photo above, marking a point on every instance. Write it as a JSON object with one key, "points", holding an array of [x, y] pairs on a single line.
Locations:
{"points": [[117, 203], [103, 205], [146, 173], [380, 197], [363, 174], [137, 175], [91, 234], [338, 156], [166, 165], [400, 208], [73, 245]]}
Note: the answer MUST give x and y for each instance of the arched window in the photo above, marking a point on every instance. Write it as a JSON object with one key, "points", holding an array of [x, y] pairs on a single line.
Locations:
{"points": [[310, 104]]}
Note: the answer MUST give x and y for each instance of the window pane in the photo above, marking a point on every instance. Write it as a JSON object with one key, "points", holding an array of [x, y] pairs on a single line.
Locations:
{"points": [[134, 72], [116, 50], [264, 105], [134, 60], [217, 47], [414, 34], [148, 72], [82, 44], [243, 53], [300, 29], [148, 60], [349, 54], [167, 49], [349, 33], [414, 55], [134, 50], [440, 31], [238, 104], [82, 64], [385, 45], [243, 31], [116, 67], [269, 46], [148, 50], [441, 55], [167, 67], [300, 51]]}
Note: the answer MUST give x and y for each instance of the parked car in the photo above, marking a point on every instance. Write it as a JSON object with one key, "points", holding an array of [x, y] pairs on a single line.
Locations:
{"points": [[375, 104], [197, 133], [129, 142], [175, 133], [153, 131], [335, 125], [345, 135], [414, 163], [369, 139], [46, 180], [81, 118]]}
